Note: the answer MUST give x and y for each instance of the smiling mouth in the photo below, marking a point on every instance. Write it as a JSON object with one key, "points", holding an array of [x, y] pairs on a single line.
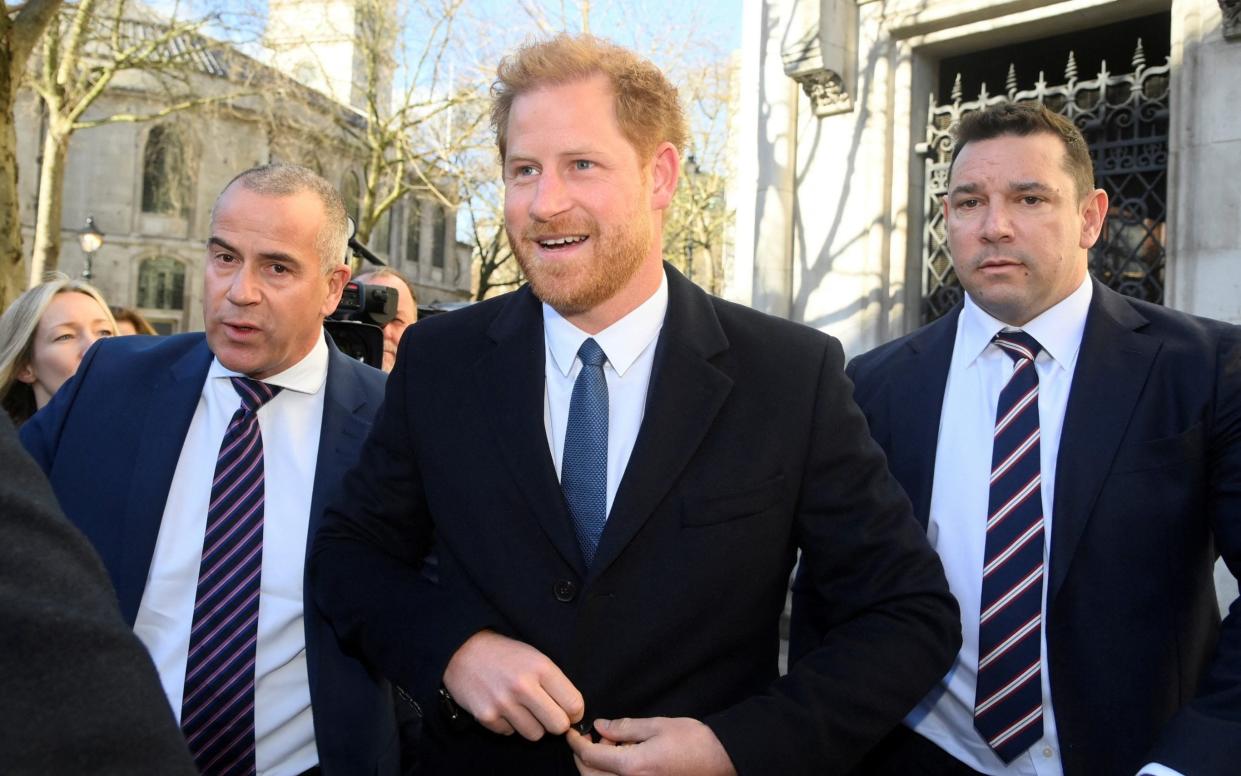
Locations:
{"points": [[558, 243]]}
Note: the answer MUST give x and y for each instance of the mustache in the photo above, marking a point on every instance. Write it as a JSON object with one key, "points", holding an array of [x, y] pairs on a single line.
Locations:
{"points": [[558, 228]]}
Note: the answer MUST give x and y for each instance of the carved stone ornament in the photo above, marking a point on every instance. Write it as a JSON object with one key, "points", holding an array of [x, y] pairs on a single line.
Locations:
{"points": [[819, 52], [1232, 18], [827, 92]]}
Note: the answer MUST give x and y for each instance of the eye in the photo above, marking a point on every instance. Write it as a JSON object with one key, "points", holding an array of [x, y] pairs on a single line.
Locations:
{"points": [[524, 171], [65, 337], [1030, 199], [583, 164], [968, 204]]}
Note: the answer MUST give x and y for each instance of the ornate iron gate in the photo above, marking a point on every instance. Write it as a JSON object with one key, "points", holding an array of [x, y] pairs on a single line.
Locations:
{"points": [[1125, 121]]}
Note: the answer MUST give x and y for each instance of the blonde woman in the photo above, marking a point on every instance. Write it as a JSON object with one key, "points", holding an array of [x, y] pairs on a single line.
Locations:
{"points": [[43, 336]]}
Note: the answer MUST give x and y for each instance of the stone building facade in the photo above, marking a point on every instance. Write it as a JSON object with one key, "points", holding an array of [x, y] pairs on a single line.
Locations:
{"points": [[150, 186]]}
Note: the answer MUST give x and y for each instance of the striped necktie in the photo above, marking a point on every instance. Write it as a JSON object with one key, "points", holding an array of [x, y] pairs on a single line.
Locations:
{"points": [[1008, 706], [584, 465], [217, 710]]}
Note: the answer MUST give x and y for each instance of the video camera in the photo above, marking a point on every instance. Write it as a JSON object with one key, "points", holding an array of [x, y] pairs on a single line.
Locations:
{"points": [[356, 325]]}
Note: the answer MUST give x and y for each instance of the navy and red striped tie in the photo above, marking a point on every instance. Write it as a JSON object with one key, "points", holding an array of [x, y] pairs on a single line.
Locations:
{"points": [[1008, 706], [217, 710]]}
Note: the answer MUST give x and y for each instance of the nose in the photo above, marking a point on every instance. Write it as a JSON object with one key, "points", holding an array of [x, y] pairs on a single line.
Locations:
{"points": [[86, 340], [998, 225], [242, 289], [551, 198]]}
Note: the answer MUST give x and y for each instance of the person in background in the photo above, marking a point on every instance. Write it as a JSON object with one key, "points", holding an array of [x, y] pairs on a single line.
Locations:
{"points": [[406, 309], [43, 336], [130, 321]]}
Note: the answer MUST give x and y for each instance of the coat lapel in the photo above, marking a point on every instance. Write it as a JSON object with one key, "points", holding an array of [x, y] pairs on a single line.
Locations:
{"points": [[173, 400], [686, 391], [340, 434], [1112, 367], [509, 384], [917, 402]]}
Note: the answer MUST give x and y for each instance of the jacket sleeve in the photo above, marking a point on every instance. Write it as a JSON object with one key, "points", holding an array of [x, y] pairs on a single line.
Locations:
{"points": [[1204, 737], [882, 627], [374, 570]]}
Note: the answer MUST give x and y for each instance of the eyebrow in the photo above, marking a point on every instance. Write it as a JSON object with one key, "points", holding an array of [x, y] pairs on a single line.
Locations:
{"points": [[272, 255]]}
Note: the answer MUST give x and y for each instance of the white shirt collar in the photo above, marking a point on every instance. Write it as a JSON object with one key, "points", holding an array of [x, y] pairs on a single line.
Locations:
{"points": [[1058, 329], [306, 376], [623, 341]]}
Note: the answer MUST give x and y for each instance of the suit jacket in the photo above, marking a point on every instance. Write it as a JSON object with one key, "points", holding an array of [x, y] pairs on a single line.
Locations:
{"points": [[109, 442], [750, 448], [80, 693], [1148, 492]]}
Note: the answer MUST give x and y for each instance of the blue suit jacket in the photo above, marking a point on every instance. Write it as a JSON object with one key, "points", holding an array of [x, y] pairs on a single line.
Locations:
{"points": [[1148, 493], [109, 442]]}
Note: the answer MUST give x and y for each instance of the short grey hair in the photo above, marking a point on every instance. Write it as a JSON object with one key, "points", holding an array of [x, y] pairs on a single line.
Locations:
{"points": [[285, 180]]}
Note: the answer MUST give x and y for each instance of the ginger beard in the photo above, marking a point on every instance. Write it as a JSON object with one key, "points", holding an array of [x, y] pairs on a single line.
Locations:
{"points": [[575, 285]]}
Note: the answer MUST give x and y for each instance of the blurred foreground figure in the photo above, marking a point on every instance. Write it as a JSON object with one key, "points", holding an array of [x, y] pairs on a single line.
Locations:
{"points": [[79, 692], [582, 500]]}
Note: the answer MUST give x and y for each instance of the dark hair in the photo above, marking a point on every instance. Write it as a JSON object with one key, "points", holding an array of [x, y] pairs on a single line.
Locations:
{"points": [[1022, 120]]}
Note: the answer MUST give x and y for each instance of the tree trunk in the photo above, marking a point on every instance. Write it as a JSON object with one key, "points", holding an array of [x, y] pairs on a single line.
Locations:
{"points": [[12, 275], [46, 255], [19, 32]]}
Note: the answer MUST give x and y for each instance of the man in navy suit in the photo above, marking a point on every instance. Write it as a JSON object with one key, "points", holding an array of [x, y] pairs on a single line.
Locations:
{"points": [[1086, 539], [583, 499], [198, 466]]}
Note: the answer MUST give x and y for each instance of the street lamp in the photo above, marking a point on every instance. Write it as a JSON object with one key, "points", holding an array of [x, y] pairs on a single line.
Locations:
{"points": [[91, 240]]}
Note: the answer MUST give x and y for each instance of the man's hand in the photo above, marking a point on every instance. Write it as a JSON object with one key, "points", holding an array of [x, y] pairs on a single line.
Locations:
{"points": [[509, 686], [658, 746]]}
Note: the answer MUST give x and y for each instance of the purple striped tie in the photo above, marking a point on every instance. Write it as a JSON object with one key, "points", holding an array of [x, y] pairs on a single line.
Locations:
{"points": [[1008, 706], [217, 712]]}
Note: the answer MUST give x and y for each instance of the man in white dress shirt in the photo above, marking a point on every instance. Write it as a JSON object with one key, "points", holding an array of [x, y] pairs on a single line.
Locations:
{"points": [[583, 500], [233, 441], [1075, 457]]}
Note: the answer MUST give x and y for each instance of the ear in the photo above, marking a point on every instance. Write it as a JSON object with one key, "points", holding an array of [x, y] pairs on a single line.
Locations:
{"points": [[1094, 214], [943, 203], [337, 277], [26, 374], [665, 170]]}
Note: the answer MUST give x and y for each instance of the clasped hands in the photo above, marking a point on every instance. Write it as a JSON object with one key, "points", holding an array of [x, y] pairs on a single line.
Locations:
{"points": [[511, 687]]}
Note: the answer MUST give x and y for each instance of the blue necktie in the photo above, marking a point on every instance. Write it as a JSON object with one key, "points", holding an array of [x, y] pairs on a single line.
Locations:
{"points": [[1008, 705], [584, 468], [217, 709]]}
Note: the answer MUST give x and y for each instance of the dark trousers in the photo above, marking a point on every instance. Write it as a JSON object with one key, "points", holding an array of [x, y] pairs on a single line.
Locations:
{"points": [[905, 753]]}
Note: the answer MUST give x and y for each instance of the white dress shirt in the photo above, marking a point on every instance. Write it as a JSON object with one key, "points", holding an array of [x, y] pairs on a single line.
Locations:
{"points": [[290, 424], [629, 345], [957, 523]]}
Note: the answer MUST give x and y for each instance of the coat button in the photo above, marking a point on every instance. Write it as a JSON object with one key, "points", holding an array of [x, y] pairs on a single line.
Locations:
{"points": [[565, 590]]}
